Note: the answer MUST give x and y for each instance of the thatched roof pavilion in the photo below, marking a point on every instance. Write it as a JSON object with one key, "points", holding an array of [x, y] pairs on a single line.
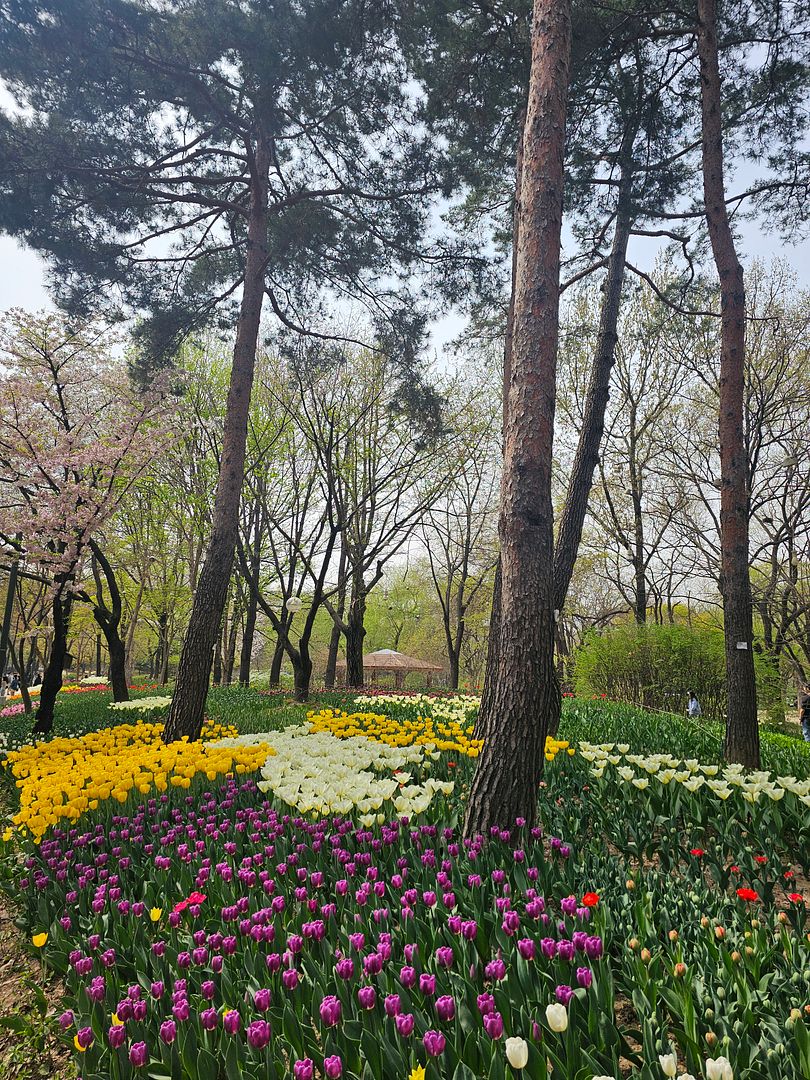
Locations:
{"points": [[390, 662]]}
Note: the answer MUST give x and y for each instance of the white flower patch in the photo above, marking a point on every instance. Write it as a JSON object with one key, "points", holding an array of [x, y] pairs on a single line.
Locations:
{"points": [[317, 773], [460, 708], [144, 704]]}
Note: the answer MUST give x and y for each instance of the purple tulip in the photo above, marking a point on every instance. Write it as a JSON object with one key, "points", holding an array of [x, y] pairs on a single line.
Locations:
{"points": [[304, 1070], [372, 964], [209, 1018], [434, 1042], [181, 1009], [593, 947], [493, 1024], [331, 1010], [289, 979], [565, 949], [444, 956], [117, 1035], [427, 984], [407, 977], [486, 1004], [563, 994], [157, 989], [584, 977], [445, 1007], [168, 1032], [495, 969], [469, 928], [138, 1055], [84, 1037], [367, 996], [526, 948], [232, 1022], [332, 1067], [66, 1020], [258, 1034], [393, 1005], [405, 1024], [345, 967], [208, 989], [569, 905], [548, 947]]}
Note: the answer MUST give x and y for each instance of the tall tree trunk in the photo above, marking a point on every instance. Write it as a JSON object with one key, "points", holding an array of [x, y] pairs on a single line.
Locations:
{"points": [[248, 635], [216, 673], [52, 679], [275, 666], [355, 631], [526, 697], [129, 641], [230, 650], [109, 620], [334, 647], [742, 730], [586, 459], [493, 638], [188, 703]]}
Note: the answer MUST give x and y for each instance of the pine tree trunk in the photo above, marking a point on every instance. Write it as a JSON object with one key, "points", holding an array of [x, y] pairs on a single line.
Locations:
{"points": [[526, 697], [493, 638], [52, 678], [586, 459], [188, 703], [742, 730]]}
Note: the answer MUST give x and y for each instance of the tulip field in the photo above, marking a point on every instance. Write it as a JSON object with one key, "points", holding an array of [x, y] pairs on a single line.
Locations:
{"points": [[298, 900]]}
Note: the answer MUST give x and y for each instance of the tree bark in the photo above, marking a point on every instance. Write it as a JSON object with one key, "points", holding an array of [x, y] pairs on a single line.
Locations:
{"points": [[742, 729], [355, 631], [52, 678], [275, 665], [493, 638], [109, 620], [586, 458], [526, 697], [248, 635], [188, 703]]}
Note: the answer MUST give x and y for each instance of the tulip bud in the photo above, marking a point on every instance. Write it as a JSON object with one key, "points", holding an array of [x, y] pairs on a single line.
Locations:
{"points": [[630, 884], [704, 922], [711, 1038], [669, 1064], [646, 956], [557, 1017], [633, 944], [517, 1053], [735, 956], [719, 933], [679, 970], [673, 935]]}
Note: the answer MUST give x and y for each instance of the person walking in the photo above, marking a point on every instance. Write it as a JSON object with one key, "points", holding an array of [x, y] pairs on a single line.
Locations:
{"points": [[804, 711], [693, 707]]}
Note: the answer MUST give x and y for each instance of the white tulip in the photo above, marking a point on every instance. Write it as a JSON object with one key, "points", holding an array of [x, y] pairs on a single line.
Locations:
{"points": [[557, 1017], [719, 1069], [669, 1064], [517, 1053]]}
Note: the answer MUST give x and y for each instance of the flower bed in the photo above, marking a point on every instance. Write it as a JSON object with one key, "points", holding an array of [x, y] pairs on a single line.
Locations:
{"points": [[65, 777], [211, 934], [316, 773]]}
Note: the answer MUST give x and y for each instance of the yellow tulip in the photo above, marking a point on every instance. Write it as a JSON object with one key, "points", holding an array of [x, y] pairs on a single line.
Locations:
{"points": [[155, 913], [39, 939]]}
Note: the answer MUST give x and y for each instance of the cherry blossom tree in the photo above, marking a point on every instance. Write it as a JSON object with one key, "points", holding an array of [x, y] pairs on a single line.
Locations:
{"points": [[74, 436]]}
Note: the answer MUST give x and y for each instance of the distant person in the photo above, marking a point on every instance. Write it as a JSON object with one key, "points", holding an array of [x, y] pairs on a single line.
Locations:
{"points": [[15, 683], [804, 711], [693, 707]]}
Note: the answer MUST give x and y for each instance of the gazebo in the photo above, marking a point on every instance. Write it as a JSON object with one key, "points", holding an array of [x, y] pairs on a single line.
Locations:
{"points": [[390, 662]]}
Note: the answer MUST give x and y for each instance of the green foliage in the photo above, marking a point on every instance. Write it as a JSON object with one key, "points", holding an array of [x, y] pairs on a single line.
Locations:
{"points": [[657, 666]]}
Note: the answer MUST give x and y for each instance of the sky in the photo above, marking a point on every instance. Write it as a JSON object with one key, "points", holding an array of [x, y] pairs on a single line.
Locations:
{"points": [[23, 271]]}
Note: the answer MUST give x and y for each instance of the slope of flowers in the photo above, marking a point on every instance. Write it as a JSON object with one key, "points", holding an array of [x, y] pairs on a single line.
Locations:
{"points": [[314, 772], [210, 936], [460, 708], [65, 777]]}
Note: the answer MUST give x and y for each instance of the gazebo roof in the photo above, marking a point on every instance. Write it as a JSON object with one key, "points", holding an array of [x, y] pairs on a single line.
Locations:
{"points": [[390, 660]]}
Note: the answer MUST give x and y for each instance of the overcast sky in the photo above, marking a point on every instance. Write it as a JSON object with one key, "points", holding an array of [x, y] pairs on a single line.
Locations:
{"points": [[23, 278]]}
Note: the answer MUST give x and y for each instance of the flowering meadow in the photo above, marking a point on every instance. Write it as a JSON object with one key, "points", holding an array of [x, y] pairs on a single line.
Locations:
{"points": [[301, 902]]}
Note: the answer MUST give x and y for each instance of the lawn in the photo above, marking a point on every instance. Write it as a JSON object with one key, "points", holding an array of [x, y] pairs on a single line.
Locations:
{"points": [[294, 897]]}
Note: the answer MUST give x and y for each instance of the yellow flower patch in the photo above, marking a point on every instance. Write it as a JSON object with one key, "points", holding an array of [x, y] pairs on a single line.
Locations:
{"points": [[447, 735], [61, 779]]}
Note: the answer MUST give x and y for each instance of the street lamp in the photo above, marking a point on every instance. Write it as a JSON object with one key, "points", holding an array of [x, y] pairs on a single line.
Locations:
{"points": [[293, 604]]}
